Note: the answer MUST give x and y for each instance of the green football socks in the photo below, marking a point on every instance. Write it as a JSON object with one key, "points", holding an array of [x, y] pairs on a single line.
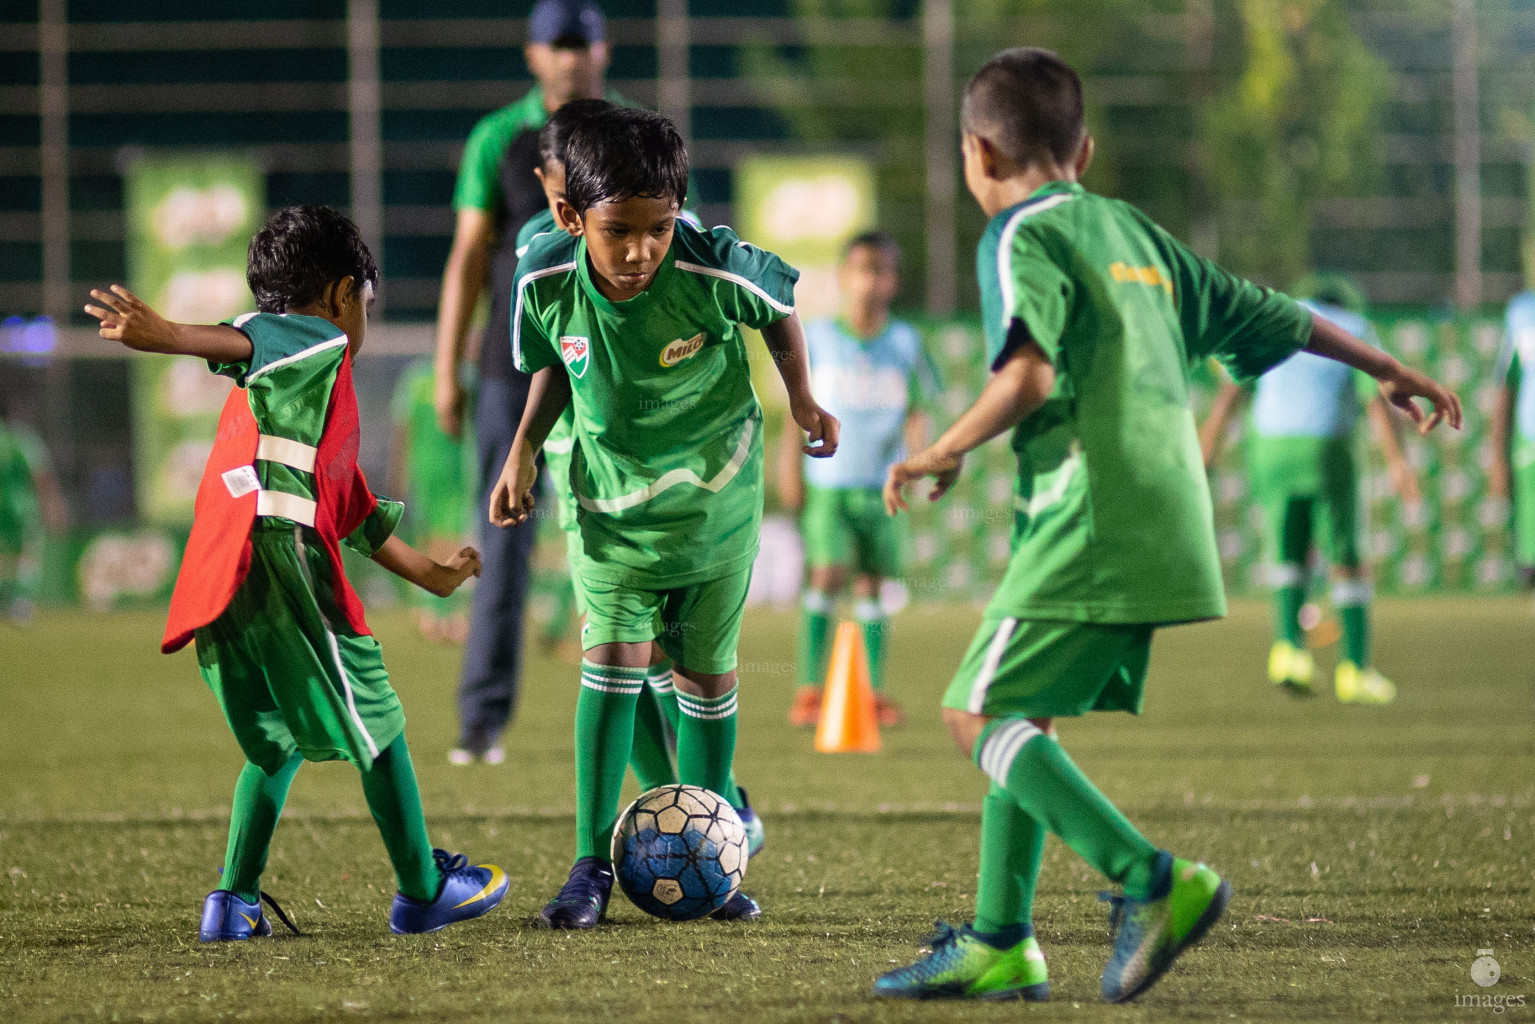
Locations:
{"points": [[655, 731], [706, 741], [1289, 582], [395, 800], [1351, 597], [1012, 845], [258, 802], [873, 623], [1036, 771], [814, 637], [605, 714]]}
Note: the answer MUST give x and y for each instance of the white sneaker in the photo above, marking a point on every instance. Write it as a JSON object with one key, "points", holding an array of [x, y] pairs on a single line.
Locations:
{"points": [[460, 756], [495, 755]]}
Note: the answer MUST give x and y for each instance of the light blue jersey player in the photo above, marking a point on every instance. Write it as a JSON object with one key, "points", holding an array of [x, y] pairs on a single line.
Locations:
{"points": [[873, 374], [1513, 466], [1305, 475]]}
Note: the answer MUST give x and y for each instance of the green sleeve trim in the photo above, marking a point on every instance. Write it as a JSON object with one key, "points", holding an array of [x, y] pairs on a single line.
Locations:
{"points": [[376, 529]]}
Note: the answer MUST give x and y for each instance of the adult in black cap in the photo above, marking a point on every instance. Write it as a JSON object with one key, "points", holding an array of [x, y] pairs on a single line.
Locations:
{"points": [[567, 52]]}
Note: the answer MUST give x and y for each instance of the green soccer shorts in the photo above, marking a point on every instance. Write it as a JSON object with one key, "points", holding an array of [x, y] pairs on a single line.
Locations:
{"points": [[1308, 488], [286, 679], [697, 625], [1524, 502], [573, 563], [848, 526], [1040, 668]]}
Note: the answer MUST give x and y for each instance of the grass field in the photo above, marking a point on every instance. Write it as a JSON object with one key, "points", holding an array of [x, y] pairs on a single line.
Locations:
{"points": [[1373, 851]]}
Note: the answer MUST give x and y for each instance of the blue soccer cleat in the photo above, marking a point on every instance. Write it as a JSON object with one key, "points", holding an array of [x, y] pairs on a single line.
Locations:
{"points": [[756, 835], [582, 902], [739, 907], [1150, 934], [228, 918], [467, 891]]}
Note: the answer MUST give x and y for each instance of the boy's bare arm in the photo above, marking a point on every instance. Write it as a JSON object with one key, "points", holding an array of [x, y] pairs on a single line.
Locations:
{"points": [[917, 430], [1213, 431], [511, 500], [785, 339], [1399, 384], [1500, 473], [462, 280], [1018, 388], [127, 318], [1402, 476], [434, 577]]}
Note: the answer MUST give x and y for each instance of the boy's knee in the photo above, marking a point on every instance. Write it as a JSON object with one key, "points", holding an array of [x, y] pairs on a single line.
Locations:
{"points": [[703, 684], [965, 728]]}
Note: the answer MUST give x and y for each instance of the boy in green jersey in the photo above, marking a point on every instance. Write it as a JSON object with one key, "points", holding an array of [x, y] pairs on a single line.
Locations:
{"points": [[281, 637], [633, 319], [657, 714], [436, 471], [1093, 317], [31, 503]]}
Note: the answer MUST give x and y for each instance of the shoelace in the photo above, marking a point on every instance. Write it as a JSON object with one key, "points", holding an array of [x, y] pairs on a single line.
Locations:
{"points": [[944, 938], [1116, 902], [448, 863], [281, 916]]}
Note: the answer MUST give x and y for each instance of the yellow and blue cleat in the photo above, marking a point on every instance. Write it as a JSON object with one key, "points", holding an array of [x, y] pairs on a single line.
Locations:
{"points": [[467, 891], [961, 965], [228, 918], [1150, 934], [1355, 685], [1291, 667]]}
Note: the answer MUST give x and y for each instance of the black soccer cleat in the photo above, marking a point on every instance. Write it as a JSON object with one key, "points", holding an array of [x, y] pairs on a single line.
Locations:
{"points": [[739, 907], [582, 902]]}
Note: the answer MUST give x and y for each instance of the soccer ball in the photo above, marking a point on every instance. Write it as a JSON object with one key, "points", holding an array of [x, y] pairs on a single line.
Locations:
{"points": [[679, 852]]}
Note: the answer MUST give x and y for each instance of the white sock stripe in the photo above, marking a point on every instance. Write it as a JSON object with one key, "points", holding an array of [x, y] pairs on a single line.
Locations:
{"points": [[1286, 574], [1350, 593], [712, 716], [693, 707], [1002, 748], [591, 684], [868, 611], [816, 601], [597, 672], [663, 685]]}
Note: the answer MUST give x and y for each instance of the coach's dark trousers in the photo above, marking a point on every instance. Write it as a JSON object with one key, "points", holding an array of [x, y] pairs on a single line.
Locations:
{"points": [[487, 690]]}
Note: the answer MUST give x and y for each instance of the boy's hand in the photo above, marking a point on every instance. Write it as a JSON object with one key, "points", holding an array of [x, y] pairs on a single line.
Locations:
{"points": [[450, 575], [511, 501], [821, 425], [127, 318], [943, 468], [1404, 384]]}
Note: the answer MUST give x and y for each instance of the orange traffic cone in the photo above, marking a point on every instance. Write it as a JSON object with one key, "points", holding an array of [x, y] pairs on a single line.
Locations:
{"points": [[847, 721]]}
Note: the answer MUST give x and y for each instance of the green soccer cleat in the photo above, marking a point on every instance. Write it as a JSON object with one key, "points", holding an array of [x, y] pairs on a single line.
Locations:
{"points": [[960, 965], [1291, 667], [1150, 934], [1355, 685]]}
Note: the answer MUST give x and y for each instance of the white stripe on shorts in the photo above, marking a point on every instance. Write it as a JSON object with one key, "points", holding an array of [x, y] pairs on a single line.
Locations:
{"points": [[988, 671]]}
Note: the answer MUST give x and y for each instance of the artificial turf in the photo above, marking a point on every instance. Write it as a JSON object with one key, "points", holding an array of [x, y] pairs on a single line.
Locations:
{"points": [[1374, 850]]}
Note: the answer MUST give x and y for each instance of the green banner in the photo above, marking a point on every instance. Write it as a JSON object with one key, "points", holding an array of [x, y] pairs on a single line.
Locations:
{"points": [[189, 221]]}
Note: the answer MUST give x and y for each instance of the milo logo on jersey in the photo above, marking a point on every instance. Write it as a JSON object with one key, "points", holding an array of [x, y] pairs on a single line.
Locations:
{"points": [[682, 348], [577, 353]]}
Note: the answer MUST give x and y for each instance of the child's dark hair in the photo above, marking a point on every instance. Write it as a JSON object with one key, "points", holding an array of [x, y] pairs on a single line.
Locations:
{"points": [[880, 241], [1028, 103], [302, 250], [623, 153], [554, 136]]}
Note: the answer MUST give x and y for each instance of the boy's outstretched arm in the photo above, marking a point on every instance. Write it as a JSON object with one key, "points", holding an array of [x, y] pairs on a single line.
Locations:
{"points": [[1213, 431], [1399, 384], [785, 339], [435, 577], [1403, 478], [511, 500], [1018, 388], [1500, 473], [127, 318]]}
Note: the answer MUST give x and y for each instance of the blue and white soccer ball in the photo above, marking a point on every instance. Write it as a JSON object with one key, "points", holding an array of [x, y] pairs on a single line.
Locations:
{"points": [[679, 852]]}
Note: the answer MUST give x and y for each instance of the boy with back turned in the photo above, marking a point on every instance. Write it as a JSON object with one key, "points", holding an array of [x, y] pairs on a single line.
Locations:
{"points": [[1093, 317]]}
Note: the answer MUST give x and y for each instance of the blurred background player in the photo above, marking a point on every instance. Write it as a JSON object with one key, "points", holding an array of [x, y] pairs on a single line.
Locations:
{"points": [[281, 637], [872, 373], [31, 505], [434, 472], [496, 193], [1305, 472], [633, 317], [1512, 473]]}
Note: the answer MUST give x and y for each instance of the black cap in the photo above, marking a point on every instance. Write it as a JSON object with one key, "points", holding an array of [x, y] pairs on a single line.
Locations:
{"points": [[559, 21]]}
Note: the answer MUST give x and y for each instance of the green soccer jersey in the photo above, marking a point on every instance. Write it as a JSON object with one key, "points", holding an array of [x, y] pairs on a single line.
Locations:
{"points": [[23, 458], [1114, 521], [667, 470], [288, 381]]}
